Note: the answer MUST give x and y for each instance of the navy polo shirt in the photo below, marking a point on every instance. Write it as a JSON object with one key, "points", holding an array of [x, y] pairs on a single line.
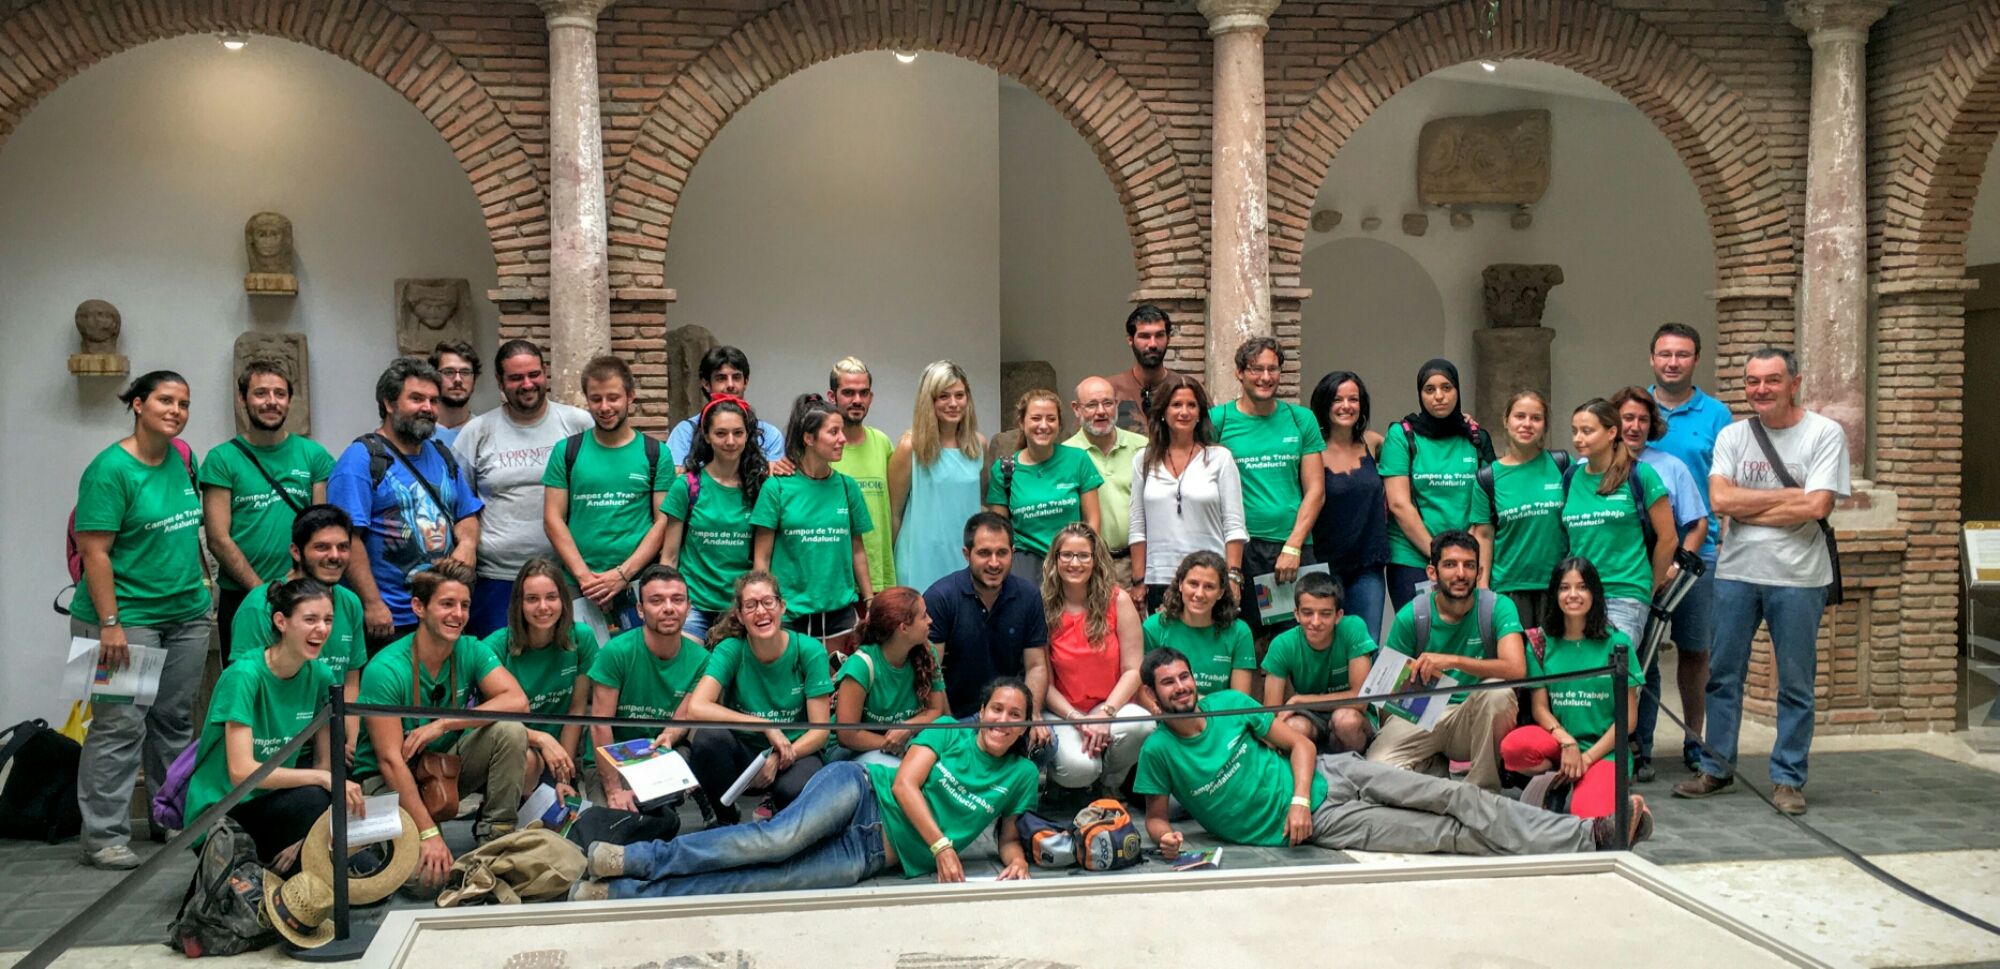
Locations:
{"points": [[981, 643]]}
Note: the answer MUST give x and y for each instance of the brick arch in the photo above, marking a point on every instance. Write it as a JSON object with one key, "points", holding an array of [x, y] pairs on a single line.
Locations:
{"points": [[1708, 125], [1949, 128], [45, 44], [1004, 35]]}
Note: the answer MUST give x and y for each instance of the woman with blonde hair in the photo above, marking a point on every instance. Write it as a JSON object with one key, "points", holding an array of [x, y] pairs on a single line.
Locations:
{"points": [[1043, 486], [934, 477], [1095, 643]]}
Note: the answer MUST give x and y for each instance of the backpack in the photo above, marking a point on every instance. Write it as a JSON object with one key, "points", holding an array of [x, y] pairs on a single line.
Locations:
{"points": [[1485, 478], [1487, 599], [379, 456], [222, 913], [1101, 838], [169, 807], [75, 555], [1638, 493], [1482, 442], [574, 443], [38, 795]]}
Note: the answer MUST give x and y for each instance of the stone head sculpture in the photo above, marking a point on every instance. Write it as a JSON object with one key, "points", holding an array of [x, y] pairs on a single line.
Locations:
{"points": [[432, 304], [268, 239], [99, 323]]}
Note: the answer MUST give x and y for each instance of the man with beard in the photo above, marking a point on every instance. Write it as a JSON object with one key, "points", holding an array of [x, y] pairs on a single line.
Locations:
{"points": [[646, 673], [408, 497], [1112, 449], [1147, 332], [320, 539], [989, 621], [1252, 779], [866, 460], [458, 371], [1459, 640], [505, 450], [601, 495], [253, 486]]}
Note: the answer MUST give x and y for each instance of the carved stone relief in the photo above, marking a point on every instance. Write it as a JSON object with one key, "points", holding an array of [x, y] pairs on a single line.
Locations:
{"points": [[429, 311], [1495, 158], [288, 351]]}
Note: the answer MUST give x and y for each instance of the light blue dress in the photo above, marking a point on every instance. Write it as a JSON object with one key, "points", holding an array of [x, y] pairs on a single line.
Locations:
{"points": [[943, 495]]}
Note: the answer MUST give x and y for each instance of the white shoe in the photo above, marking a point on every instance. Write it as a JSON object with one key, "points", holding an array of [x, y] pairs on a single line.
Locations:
{"points": [[112, 858]]}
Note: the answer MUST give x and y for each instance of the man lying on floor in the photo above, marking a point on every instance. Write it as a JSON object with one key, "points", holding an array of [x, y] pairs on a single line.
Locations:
{"points": [[1230, 772]]}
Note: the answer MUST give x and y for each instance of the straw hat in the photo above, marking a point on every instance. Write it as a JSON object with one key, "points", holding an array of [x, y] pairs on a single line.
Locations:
{"points": [[300, 908], [316, 858]]}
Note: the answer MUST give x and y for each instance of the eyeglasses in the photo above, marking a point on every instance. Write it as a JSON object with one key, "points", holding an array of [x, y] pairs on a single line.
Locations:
{"points": [[1262, 371], [465, 372], [1105, 404], [1075, 558], [766, 604]]}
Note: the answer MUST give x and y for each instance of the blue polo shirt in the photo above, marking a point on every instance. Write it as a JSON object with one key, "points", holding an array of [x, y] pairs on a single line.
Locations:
{"points": [[770, 439], [1691, 431], [981, 643]]}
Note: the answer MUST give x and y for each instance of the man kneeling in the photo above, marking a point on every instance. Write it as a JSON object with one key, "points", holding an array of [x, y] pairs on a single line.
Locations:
{"points": [[436, 666], [1227, 771]]}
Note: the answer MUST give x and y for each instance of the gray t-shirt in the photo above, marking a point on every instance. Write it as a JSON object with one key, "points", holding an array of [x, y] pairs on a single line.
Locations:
{"points": [[506, 460], [1815, 453]]}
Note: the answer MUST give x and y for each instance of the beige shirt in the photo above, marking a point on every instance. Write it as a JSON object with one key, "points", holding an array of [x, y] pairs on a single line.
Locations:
{"points": [[1114, 497]]}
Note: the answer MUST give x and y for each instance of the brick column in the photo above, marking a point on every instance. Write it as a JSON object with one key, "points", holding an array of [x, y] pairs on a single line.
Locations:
{"points": [[579, 287], [1833, 338], [1239, 258]]}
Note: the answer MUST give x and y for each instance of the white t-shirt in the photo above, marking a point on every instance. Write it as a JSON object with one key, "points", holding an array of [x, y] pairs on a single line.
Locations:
{"points": [[1815, 453], [506, 461], [1207, 515]]}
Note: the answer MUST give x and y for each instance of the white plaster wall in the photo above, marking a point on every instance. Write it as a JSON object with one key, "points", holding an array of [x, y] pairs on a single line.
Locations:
{"points": [[852, 208], [1621, 216], [1982, 241], [1066, 270], [131, 183]]}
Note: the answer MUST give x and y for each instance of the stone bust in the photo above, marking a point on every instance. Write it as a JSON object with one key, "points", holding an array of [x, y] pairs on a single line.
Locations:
{"points": [[268, 239], [432, 310], [99, 323]]}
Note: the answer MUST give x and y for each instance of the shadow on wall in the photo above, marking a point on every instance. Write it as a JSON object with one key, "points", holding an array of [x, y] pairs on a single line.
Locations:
{"points": [[1374, 311]]}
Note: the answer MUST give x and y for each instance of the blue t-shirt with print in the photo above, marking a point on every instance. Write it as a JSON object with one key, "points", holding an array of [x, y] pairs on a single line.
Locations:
{"points": [[402, 528]]}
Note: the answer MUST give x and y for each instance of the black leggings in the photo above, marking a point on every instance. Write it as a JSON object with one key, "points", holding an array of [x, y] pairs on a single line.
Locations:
{"points": [[280, 819], [717, 757]]}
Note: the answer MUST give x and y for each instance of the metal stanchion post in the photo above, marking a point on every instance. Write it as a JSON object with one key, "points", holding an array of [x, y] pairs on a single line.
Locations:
{"points": [[1621, 753], [345, 946]]}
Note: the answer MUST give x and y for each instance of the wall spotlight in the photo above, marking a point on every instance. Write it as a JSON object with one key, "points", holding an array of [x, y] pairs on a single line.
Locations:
{"points": [[906, 56], [234, 41], [1490, 66]]}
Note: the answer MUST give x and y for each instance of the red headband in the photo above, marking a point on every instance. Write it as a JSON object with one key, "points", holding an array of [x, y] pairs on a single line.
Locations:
{"points": [[723, 398]]}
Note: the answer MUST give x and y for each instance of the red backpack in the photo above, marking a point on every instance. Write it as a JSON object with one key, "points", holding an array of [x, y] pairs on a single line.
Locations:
{"points": [[75, 555]]}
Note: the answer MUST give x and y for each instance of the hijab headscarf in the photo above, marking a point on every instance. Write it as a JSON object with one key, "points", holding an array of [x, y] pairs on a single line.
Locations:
{"points": [[1422, 421]]}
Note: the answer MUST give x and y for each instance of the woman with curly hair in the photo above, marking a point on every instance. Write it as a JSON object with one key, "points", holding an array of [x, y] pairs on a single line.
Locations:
{"points": [[1095, 643]]}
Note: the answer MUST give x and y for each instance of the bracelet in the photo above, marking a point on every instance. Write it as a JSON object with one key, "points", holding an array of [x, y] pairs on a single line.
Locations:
{"points": [[620, 569], [1571, 744], [428, 833], [940, 846], [1299, 801], [1293, 550]]}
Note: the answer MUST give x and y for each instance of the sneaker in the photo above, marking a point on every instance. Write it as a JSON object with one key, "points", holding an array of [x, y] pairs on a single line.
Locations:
{"points": [[1704, 785], [112, 858], [1790, 800], [1643, 773], [588, 890], [606, 860]]}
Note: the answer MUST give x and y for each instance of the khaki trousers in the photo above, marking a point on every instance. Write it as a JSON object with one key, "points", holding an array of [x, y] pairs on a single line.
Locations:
{"points": [[492, 760], [1466, 733]]}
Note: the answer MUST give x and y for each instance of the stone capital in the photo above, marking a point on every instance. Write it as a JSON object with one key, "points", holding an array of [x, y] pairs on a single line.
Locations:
{"points": [[573, 13], [1836, 20], [1226, 16]]}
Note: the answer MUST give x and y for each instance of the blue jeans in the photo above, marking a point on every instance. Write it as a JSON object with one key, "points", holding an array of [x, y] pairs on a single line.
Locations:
{"points": [[1403, 582], [830, 837], [1793, 615], [1628, 616], [490, 598], [697, 623], [1366, 591]]}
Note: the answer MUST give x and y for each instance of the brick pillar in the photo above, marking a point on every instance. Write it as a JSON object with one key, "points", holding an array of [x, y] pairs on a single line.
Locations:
{"points": [[1239, 260], [1833, 339], [579, 287]]}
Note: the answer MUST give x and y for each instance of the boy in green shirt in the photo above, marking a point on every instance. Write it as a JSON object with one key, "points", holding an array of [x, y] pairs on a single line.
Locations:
{"points": [[595, 501], [647, 673], [1324, 658]]}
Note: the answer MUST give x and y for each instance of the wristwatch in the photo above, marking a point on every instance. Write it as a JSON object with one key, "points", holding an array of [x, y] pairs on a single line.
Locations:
{"points": [[111, 620]]}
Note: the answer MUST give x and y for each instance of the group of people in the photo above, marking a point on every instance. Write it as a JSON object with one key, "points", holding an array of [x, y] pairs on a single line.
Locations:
{"points": [[549, 559]]}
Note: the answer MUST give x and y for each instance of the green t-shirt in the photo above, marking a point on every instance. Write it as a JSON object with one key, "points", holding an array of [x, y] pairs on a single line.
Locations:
{"points": [[647, 685], [1045, 496], [1584, 706], [154, 516], [1607, 530], [1461, 639], [967, 792], [1212, 651], [548, 675], [610, 496], [868, 464], [890, 690], [1311, 670], [814, 522], [777, 690], [1267, 452], [1528, 541], [260, 522], [386, 681], [346, 647], [1236, 786], [274, 709], [1442, 484], [715, 544]]}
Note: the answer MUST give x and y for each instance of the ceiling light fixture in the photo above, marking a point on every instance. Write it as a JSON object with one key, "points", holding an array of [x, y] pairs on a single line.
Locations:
{"points": [[234, 41], [906, 56], [1490, 66]]}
